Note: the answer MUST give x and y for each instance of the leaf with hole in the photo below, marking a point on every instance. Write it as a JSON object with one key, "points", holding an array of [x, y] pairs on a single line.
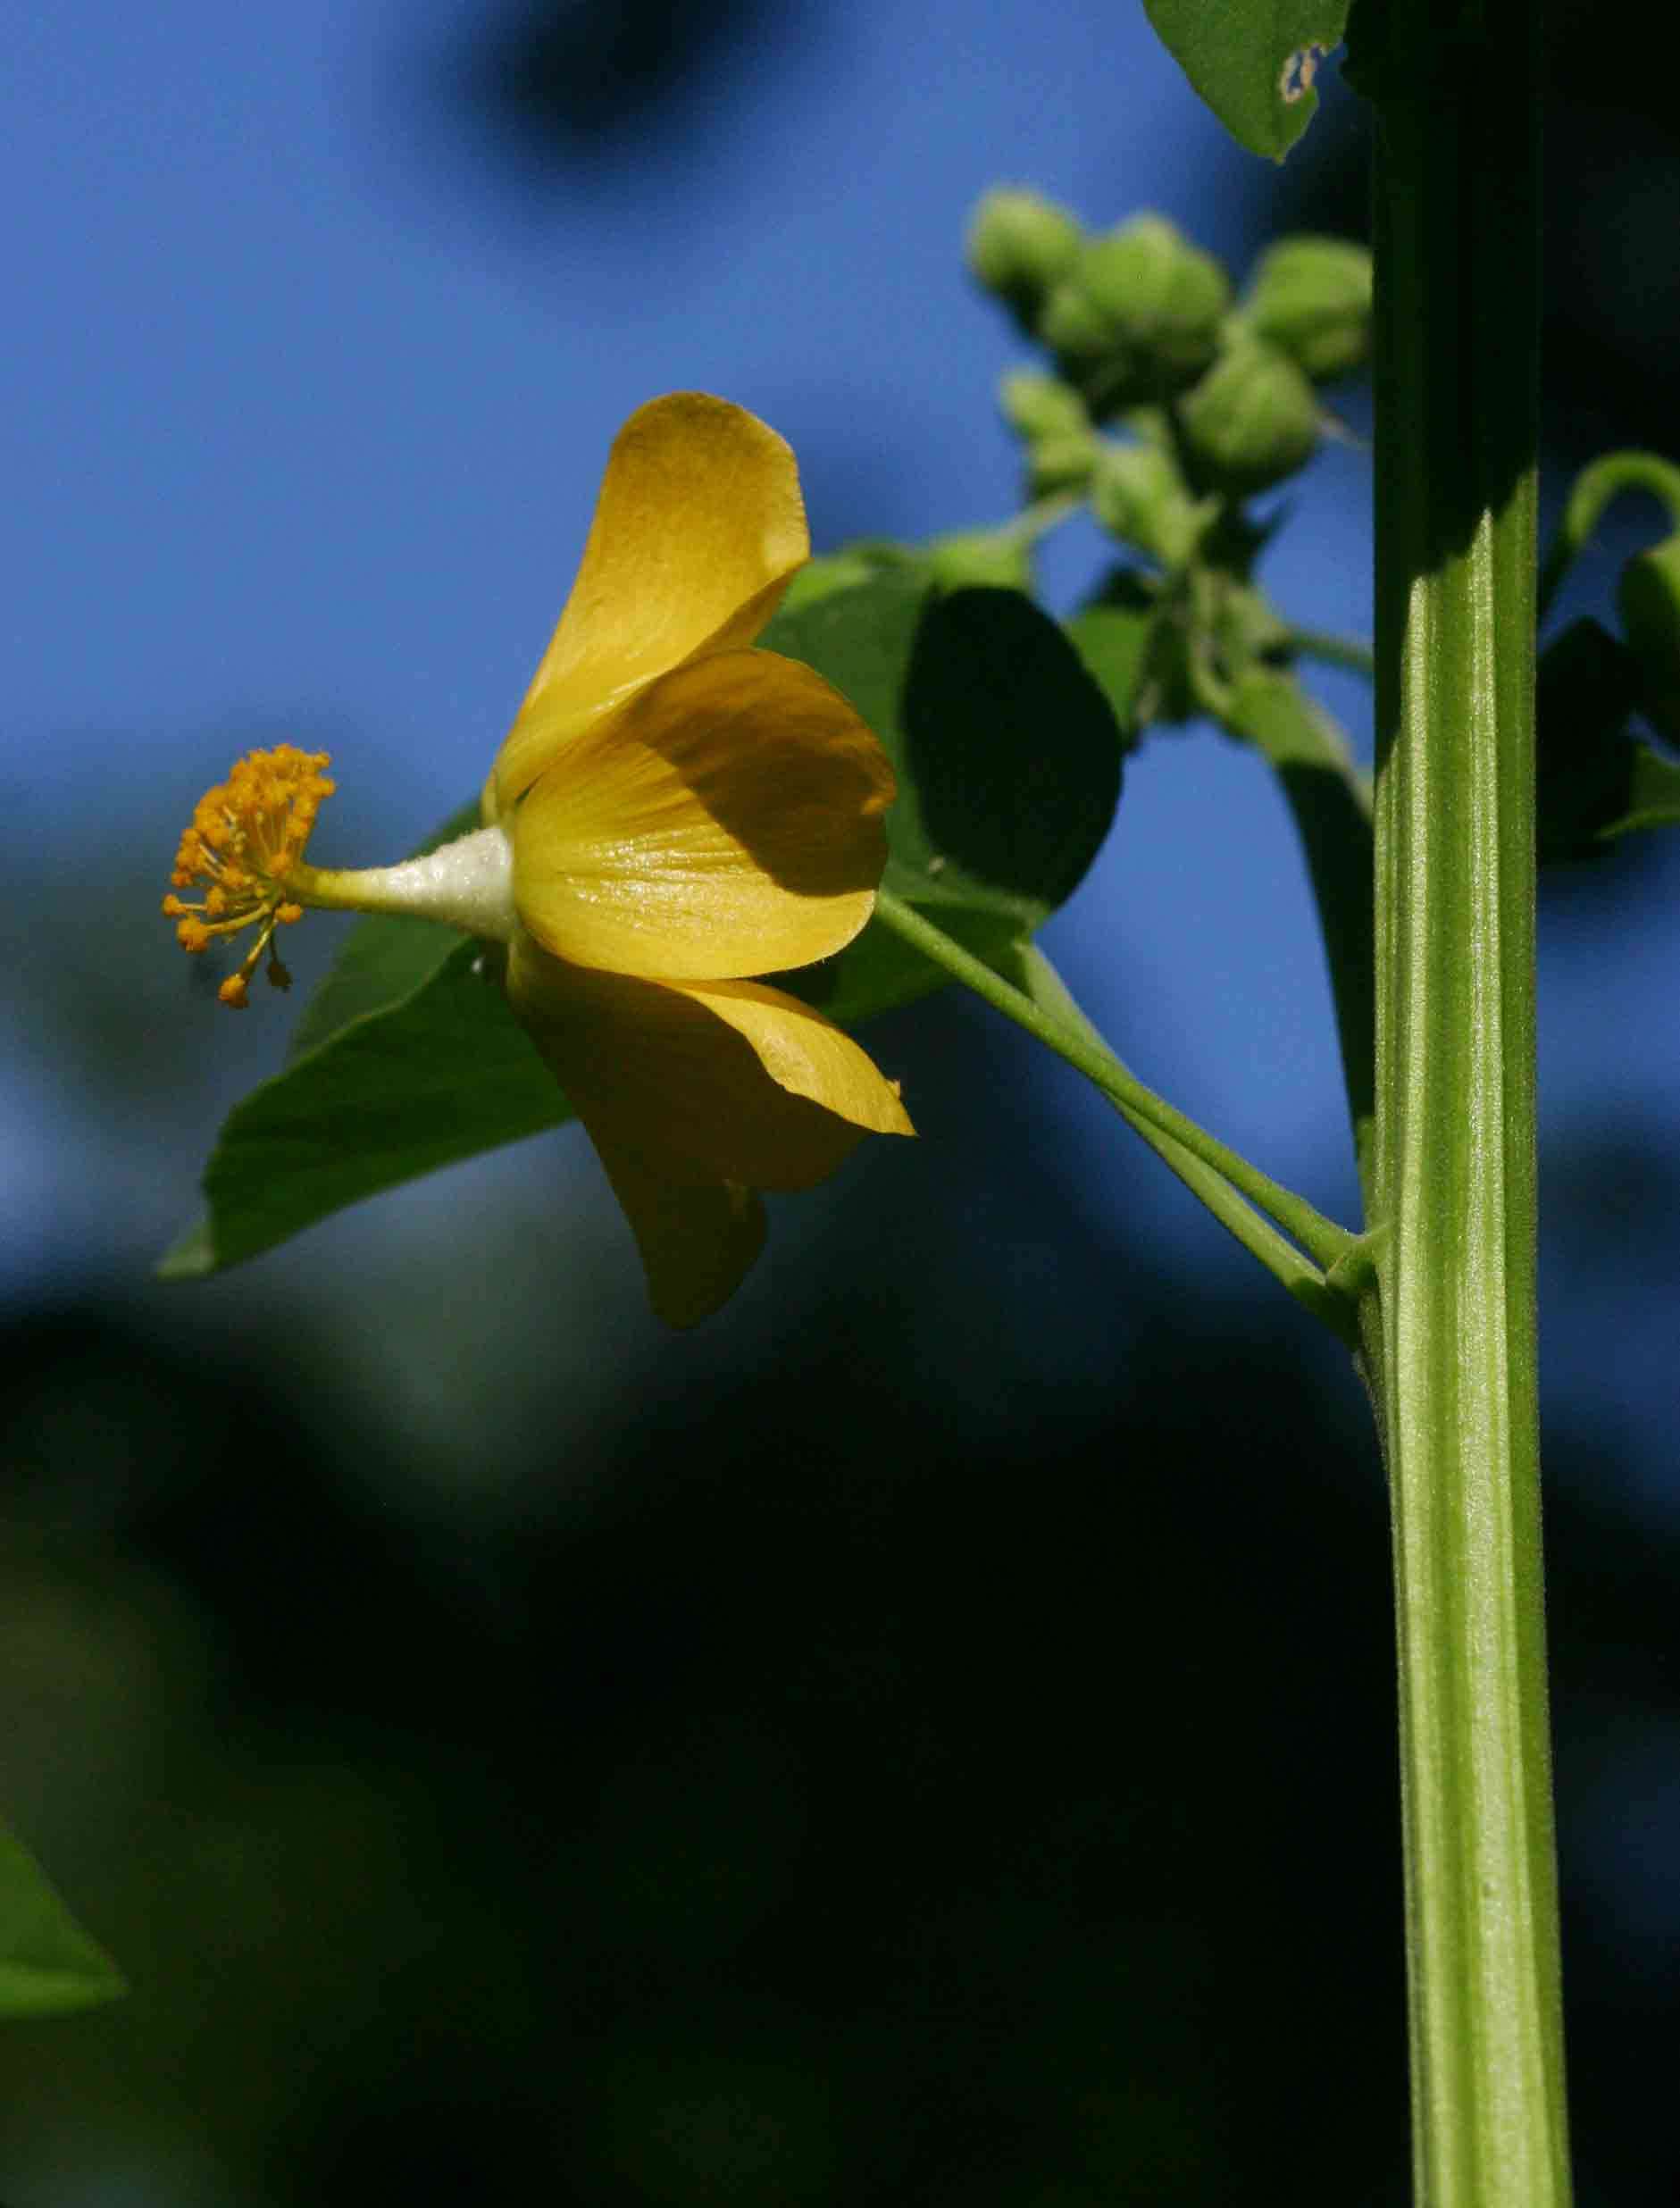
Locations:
{"points": [[1253, 62]]}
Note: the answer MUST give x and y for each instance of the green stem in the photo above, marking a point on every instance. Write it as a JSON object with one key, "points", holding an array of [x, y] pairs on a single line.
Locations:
{"points": [[1337, 1307], [1044, 515], [1449, 1323], [1594, 488], [1223, 1179], [1351, 652]]}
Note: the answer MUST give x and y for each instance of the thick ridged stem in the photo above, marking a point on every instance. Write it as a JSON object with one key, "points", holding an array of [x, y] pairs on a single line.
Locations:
{"points": [[1449, 1325]]}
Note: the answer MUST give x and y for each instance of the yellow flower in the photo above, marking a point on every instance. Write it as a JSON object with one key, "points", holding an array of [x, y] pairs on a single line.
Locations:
{"points": [[672, 815], [687, 812]]}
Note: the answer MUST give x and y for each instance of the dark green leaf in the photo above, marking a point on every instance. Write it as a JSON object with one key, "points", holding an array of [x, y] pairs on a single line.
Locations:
{"points": [[1252, 61], [890, 645], [437, 1076], [1596, 781], [382, 961], [1332, 807], [47, 1963], [1007, 755], [1653, 793]]}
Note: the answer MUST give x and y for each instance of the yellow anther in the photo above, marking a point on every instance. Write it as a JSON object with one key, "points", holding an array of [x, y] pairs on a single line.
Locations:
{"points": [[246, 838]]}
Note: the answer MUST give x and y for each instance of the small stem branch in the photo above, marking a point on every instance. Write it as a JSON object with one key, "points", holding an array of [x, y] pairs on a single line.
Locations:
{"points": [[1297, 1274], [1045, 514], [1351, 652], [1321, 1238], [1594, 490]]}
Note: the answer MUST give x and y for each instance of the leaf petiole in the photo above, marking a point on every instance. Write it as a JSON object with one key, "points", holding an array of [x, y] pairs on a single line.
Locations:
{"points": [[1350, 652], [1234, 1191]]}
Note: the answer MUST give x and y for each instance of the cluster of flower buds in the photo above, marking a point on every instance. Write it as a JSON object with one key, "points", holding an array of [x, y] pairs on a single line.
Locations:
{"points": [[1142, 326], [1136, 319]]}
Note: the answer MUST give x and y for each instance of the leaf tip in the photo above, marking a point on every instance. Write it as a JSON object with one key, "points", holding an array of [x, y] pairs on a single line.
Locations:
{"points": [[191, 1256]]}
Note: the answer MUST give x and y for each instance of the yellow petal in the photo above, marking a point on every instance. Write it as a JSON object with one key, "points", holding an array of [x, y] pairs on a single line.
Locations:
{"points": [[730, 821], [724, 1080], [698, 527], [697, 1241]]}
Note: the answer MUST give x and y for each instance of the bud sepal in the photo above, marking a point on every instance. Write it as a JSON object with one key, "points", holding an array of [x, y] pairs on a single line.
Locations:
{"points": [[1252, 422], [1311, 297]]}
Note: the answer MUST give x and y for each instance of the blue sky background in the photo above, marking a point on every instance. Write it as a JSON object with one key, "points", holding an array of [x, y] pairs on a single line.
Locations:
{"points": [[308, 394]]}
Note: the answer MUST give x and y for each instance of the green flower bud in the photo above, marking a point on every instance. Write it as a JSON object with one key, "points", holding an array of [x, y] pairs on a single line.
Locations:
{"points": [[1162, 297], [1076, 331], [1648, 597], [1138, 495], [1138, 316], [1250, 422], [1311, 297], [1020, 245], [1038, 407], [1060, 464]]}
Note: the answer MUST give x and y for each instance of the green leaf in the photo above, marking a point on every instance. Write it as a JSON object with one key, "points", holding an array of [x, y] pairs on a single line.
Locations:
{"points": [[1115, 637], [1252, 61], [1651, 796], [1007, 752], [47, 1963], [857, 562], [994, 827], [1596, 781], [1331, 802], [1625, 786], [383, 960], [408, 1057], [432, 1078]]}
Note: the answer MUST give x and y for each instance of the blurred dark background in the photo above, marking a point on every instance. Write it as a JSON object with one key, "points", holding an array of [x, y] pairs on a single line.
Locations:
{"points": [[927, 1736]]}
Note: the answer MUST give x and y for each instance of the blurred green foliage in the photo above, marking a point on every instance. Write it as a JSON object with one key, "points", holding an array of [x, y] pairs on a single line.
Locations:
{"points": [[806, 1786]]}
